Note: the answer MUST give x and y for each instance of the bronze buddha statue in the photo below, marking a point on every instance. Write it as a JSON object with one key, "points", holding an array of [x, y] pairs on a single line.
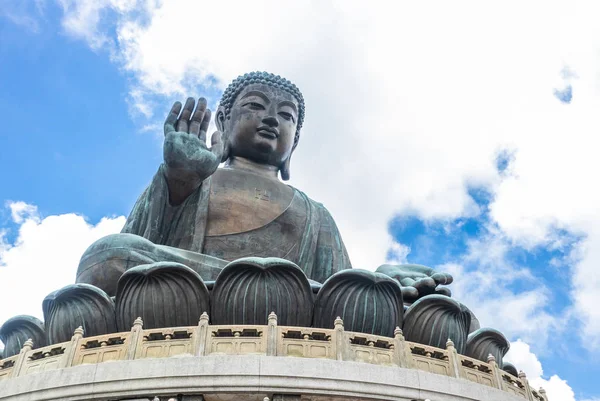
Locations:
{"points": [[203, 216], [237, 242]]}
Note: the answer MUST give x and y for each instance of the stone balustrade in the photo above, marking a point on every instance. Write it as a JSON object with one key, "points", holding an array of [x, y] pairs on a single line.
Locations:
{"points": [[271, 340]]}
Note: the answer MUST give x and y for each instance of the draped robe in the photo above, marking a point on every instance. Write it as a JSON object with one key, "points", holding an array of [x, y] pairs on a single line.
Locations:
{"points": [[315, 244]]}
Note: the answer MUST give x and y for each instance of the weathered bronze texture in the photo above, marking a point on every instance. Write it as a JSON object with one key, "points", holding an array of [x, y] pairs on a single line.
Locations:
{"points": [[367, 302], [486, 341], [417, 281], [16, 330], [163, 294], [510, 368], [202, 217], [434, 319], [78, 305], [259, 245], [248, 289]]}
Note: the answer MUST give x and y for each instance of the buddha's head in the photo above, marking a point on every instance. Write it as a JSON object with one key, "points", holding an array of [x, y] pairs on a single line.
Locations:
{"points": [[260, 116]]}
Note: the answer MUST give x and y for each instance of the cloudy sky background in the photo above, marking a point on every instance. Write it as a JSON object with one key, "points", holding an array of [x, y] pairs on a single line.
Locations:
{"points": [[462, 135]]}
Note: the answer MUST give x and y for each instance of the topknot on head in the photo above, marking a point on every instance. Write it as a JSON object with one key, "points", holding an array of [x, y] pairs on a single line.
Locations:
{"points": [[266, 78]]}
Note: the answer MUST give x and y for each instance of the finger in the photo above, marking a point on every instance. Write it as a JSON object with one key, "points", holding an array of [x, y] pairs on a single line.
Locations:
{"points": [[443, 291], [425, 285], [409, 293], [407, 282], [184, 120], [172, 118], [442, 278], [204, 125], [198, 117]]}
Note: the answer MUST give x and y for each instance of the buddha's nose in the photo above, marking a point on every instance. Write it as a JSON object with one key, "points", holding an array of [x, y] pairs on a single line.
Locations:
{"points": [[270, 121]]}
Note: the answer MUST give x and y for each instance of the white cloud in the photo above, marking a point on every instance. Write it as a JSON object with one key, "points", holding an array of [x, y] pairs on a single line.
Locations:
{"points": [[44, 256], [521, 356], [397, 252], [405, 108], [20, 211]]}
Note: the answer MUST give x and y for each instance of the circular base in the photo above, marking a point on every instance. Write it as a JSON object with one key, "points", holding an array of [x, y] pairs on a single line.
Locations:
{"points": [[241, 378]]}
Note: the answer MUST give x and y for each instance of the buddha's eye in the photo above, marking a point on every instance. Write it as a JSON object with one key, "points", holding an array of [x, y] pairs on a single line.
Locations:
{"points": [[287, 116], [255, 106]]}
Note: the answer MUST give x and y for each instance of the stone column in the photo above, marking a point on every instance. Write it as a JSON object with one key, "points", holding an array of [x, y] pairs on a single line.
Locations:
{"points": [[400, 355], [340, 342], [28, 346], [528, 392], [135, 337], [72, 348], [201, 334], [495, 371], [453, 360], [272, 335]]}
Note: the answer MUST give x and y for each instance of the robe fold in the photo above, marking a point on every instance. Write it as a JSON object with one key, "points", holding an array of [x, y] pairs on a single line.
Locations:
{"points": [[318, 249]]}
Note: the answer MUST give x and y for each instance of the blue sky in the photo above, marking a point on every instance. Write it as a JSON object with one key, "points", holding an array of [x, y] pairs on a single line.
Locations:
{"points": [[473, 157]]}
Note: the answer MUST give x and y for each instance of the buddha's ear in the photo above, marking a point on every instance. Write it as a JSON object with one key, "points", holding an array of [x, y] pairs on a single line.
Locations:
{"points": [[284, 170], [220, 123], [220, 119]]}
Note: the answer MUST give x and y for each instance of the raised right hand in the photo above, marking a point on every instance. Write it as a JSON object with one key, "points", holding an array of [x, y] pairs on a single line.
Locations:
{"points": [[187, 158]]}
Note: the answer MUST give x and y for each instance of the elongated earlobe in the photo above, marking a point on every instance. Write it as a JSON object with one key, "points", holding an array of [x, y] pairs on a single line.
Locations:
{"points": [[220, 123], [226, 148], [285, 169]]}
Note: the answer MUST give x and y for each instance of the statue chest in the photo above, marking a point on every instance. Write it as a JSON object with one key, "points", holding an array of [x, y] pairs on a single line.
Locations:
{"points": [[241, 201]]}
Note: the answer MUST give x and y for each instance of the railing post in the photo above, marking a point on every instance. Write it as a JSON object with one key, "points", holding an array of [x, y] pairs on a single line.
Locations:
{"points": [[272, 335], [453, 360], [528, 392], [340, 342], [69, 356], [199, 347], [135, 337], [400, 354], [495, 371], [28, 346]]}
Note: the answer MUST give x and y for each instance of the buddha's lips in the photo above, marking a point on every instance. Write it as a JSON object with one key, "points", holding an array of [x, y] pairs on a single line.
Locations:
{"points": [[268, 132]]}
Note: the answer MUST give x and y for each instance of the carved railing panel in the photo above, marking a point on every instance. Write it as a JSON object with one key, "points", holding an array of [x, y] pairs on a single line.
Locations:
{"points": [[430, 359], [162, 343], [237, 340], [108, 347], [7, 366], [371, 349], [477, 371], [514, 385], [42, 359], [305, 342], [206, 339]]}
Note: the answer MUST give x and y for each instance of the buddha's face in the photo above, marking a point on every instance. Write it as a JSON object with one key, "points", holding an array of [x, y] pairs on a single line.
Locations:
{"points": [[262, 124]]}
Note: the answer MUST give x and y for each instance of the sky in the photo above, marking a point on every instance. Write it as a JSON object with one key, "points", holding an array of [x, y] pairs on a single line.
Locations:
{"points": [[461, 135]]}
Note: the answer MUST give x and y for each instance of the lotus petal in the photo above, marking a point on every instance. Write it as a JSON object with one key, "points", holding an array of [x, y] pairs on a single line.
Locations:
{"points": [[484, 342], [510, 368], [434, 319], [367, 302], [248, 289], [16, 330], [78, 305], [163, 294]]}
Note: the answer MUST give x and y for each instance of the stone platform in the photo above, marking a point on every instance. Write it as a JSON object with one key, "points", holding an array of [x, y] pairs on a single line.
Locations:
{"points": [[250, 363]]}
